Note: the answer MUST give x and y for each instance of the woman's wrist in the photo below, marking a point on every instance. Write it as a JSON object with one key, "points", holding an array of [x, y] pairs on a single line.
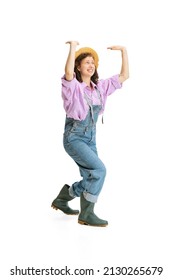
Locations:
{"points": [[123, 49]]}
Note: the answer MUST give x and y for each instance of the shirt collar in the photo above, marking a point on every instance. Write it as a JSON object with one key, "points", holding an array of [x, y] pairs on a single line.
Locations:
{"points": [[84, 85]]}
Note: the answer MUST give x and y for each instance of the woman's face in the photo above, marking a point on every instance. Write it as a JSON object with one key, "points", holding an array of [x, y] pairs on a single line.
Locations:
{"points": [[87, 66]]}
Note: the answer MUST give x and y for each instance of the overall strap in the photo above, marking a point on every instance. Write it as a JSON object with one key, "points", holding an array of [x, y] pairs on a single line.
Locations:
{"points": [[101, 100], [99, 96], [89, 102]]}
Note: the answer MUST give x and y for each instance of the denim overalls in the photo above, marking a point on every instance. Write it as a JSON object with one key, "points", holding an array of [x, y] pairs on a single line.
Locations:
{"points": [[80, 143]]}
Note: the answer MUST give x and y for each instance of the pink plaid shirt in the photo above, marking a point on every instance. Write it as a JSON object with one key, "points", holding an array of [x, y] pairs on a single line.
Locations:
{"points": [[75, 103]]}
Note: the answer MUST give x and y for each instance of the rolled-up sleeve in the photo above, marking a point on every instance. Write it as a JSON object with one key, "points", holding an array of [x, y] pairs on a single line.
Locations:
{"points": [[107, 87], [74, 103]]}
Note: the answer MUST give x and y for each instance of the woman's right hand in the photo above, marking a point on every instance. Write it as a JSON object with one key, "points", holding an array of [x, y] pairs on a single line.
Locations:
{"points": [[73, 43]]}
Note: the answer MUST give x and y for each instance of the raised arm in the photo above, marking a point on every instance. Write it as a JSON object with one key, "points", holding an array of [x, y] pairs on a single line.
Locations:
{"points": [[124, 74], [69, 66]]}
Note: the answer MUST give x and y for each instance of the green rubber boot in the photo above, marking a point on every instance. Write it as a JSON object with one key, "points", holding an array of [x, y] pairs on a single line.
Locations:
{"points": [[61, 202], [87, 216]]}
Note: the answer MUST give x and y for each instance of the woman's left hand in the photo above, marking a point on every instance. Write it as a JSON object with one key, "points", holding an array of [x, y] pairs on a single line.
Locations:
{"points": [[117, 48]]}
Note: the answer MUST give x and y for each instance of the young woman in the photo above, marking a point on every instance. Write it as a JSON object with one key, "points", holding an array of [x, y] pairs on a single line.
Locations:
{"points": [[84, 97]]}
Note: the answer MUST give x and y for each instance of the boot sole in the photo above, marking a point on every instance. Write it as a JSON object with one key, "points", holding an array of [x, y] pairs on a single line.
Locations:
{"points": [[56, 208], [87, 224]]}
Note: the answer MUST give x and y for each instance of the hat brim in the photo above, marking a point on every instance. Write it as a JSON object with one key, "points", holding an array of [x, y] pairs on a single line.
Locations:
{"points": [[88, 50]]}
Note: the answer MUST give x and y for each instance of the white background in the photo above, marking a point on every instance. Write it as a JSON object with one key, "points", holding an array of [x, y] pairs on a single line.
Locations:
{"points": [[135, 142]]}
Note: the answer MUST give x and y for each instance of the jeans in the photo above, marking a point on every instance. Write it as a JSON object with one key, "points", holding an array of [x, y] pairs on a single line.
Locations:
{"points": [[80, 143]]}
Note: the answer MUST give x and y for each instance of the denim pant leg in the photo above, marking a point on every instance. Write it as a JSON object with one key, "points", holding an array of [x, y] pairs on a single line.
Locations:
{"points": [[91, 168]]}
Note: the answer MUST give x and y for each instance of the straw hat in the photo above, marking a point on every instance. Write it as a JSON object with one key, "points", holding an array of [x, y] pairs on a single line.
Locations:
{"points": [[88, 50]]}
